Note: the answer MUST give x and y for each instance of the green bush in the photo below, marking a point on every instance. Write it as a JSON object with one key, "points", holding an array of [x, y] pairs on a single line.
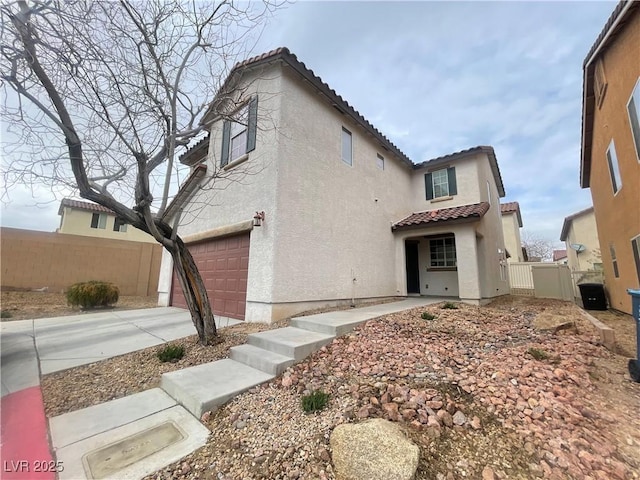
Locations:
{"points": [[538, 354], [171, 353], [93, 294], [450, 306], [427, 316], [316, 401]]}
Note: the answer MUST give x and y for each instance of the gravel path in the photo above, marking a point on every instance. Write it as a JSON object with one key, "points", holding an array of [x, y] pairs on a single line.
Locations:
{"points": [[466, 387]]}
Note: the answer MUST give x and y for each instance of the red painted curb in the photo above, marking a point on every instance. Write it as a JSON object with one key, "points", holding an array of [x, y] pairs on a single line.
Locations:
{"points": [[24, 445]]}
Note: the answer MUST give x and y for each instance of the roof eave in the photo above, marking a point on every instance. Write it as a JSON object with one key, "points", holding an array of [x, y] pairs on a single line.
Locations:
{"points": [[185, 192]]}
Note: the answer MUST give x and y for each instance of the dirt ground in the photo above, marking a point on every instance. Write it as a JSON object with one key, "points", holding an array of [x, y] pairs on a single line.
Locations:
{"points": [[572, 415], [29, 305]]}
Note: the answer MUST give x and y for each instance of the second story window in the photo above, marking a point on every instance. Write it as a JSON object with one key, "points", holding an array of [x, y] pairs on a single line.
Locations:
{"points": [[380, 162], [614, 168], [119, 225], [99, 220], [347, 147], [633, 107], [239, 135], [441, 183]]}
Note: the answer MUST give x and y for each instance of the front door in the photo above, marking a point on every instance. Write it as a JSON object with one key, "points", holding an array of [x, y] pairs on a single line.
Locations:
{"points": [[413, 269]]}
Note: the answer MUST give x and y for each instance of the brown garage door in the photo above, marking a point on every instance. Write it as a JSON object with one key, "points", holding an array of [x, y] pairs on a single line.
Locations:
{"points": [[223, 265]]}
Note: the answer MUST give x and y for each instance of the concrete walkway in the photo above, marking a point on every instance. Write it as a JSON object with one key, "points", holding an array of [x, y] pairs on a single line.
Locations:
{"points": [[137, 435]]}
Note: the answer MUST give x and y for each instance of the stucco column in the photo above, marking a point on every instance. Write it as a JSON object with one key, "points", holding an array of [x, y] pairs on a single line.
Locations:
{"points": [[164, 281], [467, 260]]}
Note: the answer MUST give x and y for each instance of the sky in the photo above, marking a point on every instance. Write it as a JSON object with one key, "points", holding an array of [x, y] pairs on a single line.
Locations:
{"points": [[439, 77]]}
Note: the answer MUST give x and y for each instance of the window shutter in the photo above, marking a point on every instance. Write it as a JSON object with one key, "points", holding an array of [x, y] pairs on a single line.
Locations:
{"points": [[226, 140], [451, 174], [428, 183], [252, 124]]}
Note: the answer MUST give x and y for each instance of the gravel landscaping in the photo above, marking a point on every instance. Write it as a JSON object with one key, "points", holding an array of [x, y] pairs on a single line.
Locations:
{"points": [[486, 392]]}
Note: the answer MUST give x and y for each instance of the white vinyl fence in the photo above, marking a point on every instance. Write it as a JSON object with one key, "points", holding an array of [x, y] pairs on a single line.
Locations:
{"points": [[542, 280]]}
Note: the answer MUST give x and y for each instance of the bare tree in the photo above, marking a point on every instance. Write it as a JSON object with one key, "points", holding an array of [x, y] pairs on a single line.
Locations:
{"points": [[103, 95], [536, 246]]}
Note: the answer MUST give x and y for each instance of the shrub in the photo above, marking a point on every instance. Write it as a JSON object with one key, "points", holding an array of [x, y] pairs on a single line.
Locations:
{"points": [[538, 354], [5, 314], [427, 316], [450, 306], [316, 401], [171, 353], [93, 294]]}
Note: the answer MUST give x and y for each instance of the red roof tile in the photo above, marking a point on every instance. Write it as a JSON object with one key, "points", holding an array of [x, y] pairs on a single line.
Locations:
{"points": [[443, 215], [512, 207], [93, 207], [559, 255]]}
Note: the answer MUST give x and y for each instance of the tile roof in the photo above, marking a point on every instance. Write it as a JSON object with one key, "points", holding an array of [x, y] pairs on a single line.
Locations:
{"points": [[476, 210], [567, 222], [559, 255], [284, 54], [93, 207], [336, 100], [620, 16], [512, 207], [195, 153]]}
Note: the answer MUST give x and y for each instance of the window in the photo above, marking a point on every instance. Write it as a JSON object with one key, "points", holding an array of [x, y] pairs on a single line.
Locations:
{"points": [[347, 147], [502, 260], [443, 252], [633, 107], [99, 220], [599, 83], [614, 168], [380, 162], [489, 192], [239, 136], [441, 183], [119, 225], [614, 261], [635, 247]]}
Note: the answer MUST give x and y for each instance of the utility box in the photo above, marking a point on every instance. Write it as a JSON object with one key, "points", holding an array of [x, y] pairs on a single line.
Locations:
{"points": [[634, 363], [593, 297]]}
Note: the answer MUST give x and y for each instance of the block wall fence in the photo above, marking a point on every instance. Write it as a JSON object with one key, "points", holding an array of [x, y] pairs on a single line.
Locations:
{"points": [[32, 260]]}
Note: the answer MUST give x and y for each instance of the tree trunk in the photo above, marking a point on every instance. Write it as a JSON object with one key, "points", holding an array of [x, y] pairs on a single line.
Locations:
{"points": [[194, 290]]}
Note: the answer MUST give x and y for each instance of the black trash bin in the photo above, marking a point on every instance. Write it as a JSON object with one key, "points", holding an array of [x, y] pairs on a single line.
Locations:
{"points": [[634, 363], [593, 297]]}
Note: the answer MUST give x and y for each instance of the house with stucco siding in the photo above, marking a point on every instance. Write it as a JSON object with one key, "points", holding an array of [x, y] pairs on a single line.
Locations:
{"points": [[295, 201], [511, 225], [580, 235], [610, 153], [92, 220]]}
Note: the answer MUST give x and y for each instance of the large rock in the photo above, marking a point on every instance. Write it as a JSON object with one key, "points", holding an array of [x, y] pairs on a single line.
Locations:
{"points": [[373, 450]]}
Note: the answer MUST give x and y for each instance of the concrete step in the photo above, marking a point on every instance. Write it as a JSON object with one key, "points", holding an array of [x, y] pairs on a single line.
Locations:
{"points": [[289, 341], [206, 387], [269, 362], [333, 323]]}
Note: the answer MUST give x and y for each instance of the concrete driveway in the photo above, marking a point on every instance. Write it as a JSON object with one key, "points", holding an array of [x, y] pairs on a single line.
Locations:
{"points": [[66, 342], [29, 348]]}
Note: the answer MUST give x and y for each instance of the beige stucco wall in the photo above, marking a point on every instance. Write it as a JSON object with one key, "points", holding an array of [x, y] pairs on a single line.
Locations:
{"points": [[512, 239], [78, 222], [232, 196], [583, 230]]}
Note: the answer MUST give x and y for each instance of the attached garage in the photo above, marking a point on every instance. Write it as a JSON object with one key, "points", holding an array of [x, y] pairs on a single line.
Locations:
{"points": [[223, 265]]}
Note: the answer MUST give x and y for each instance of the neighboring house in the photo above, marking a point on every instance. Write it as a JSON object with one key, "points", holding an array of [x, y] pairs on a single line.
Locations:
{"points": [[93, 220], [560, 257], [580, 235], [610, 156], [318, 208], [511, 225]]}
